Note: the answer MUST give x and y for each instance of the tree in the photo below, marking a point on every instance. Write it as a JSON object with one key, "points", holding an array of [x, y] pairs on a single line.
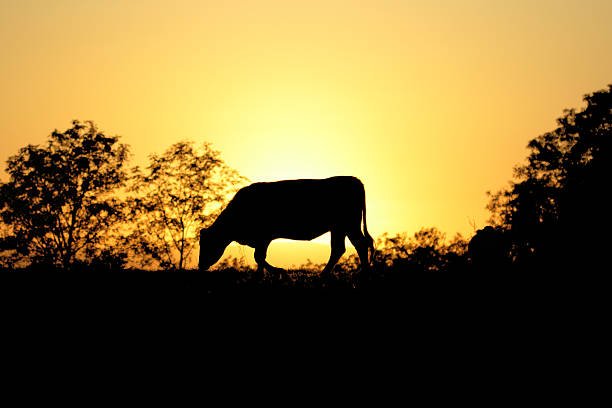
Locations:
{"points": [[557, 206], [176, 196], [9, 257], [59, 205]]}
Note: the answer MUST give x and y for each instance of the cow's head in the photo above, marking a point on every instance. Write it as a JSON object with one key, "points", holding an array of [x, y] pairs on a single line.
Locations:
{"points": [[211, 248]]}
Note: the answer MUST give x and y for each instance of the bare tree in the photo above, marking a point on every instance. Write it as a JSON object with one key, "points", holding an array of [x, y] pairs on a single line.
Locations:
{"points": [[174, 198]]}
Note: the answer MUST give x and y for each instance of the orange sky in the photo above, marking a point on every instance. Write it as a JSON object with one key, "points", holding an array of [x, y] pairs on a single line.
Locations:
{"points": [[431, 104]]}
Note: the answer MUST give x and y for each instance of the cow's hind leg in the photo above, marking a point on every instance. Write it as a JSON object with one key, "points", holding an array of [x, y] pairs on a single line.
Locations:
{"points": [[337, 250], [361, 244]]}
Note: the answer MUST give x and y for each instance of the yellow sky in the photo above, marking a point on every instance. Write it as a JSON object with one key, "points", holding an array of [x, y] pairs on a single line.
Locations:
{"points": [[430, 103]]}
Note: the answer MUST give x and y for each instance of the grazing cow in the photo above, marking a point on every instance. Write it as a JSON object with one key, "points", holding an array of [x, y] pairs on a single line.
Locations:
{"points": [[292, 209]]}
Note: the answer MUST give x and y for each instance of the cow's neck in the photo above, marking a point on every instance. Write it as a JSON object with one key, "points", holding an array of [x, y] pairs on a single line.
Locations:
{"points": [[222, 230]]}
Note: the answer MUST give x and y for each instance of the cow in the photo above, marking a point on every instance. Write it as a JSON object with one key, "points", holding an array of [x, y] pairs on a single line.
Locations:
{"points": [[301, 209]]}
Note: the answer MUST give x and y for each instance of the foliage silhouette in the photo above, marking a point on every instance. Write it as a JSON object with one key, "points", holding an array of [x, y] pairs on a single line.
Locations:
{"points": [[61, 210], [426, 251], [59, 206], [489, 250], [556, 209], [173, 199]]}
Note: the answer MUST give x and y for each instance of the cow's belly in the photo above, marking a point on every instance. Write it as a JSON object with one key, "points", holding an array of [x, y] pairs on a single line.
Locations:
{"points": [[301, 235], [278, 226]]}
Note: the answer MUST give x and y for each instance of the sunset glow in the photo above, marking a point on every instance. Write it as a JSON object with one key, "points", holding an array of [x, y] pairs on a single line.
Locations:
{"points": [[430, 104]]}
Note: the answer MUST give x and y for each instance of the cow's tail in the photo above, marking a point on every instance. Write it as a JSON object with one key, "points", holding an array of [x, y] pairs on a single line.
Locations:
{"points": [[368, 237]]}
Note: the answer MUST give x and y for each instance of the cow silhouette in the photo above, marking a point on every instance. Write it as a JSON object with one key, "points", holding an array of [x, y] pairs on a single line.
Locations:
{"points": [[301, 209]]}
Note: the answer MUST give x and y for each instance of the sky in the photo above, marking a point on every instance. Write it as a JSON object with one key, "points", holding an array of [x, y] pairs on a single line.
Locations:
{"points": [[431, 104]]}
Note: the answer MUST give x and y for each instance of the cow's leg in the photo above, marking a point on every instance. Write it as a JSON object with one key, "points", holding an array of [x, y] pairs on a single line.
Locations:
{"points": [[360, 243], [261, 250], [337, 250]]}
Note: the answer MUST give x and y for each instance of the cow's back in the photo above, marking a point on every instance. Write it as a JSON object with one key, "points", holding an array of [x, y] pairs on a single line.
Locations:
{"points": [[295, 209]]}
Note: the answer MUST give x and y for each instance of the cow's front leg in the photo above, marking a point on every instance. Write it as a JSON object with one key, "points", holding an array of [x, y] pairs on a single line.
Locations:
{"points": [[261, 250], [337, 250]]}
